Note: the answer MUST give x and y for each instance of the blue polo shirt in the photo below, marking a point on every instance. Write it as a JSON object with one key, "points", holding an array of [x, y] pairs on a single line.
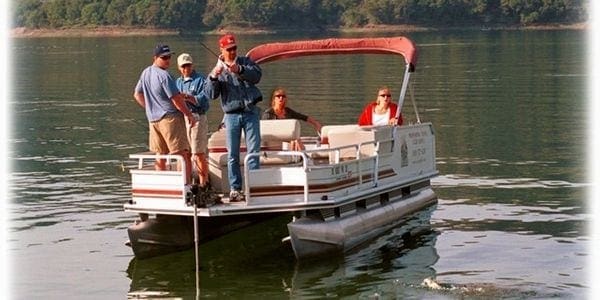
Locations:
{"points": [[158, 88]]}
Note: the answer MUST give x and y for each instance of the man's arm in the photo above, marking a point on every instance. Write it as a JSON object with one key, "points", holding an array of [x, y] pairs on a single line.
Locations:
{"points": [[139, 98], [249, 71], [179, 102]]}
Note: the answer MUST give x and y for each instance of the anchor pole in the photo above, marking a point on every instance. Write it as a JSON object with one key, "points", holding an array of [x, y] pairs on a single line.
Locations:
{"points": [[196, 252], [192, 199]]}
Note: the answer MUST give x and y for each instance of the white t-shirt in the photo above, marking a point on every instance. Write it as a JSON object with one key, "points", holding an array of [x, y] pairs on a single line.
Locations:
{"points": [[380, 120]]}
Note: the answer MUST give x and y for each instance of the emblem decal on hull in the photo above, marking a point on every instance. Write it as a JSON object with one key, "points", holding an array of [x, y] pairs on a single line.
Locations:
{"points": [[403, 153]]}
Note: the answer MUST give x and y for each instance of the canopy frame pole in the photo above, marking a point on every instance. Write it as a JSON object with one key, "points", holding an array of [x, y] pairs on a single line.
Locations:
{"points": [[412, 99], [403, 89]]}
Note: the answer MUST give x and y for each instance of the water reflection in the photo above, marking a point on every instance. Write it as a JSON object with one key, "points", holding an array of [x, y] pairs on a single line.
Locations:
{"points": [[246, 260]]}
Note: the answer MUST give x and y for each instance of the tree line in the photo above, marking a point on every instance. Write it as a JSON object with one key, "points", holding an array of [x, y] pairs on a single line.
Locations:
{"points": [[213, 14]]}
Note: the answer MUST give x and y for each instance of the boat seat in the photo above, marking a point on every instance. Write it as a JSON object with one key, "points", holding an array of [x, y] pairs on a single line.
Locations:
{"points": [[274, 135], [325, 130], [345, 136]]}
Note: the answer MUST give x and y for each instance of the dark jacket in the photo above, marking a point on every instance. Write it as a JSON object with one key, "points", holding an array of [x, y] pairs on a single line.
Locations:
{"points": [[238, 92]]}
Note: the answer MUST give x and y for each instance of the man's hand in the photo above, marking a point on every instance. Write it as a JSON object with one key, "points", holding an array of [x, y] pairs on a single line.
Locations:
{"points": [[190, 99], [191, 120], [234, 68], [217, 70]]}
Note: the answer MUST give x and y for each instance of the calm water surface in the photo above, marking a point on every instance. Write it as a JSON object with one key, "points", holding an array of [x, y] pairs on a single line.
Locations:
{"points": [[509, 113]]}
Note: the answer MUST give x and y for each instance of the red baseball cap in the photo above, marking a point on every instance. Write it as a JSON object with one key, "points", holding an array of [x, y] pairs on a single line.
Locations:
{"points": [[227, 41]]}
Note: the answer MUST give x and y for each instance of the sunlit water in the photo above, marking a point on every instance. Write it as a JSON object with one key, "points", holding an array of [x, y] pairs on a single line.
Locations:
{"points": [[508, 109]]}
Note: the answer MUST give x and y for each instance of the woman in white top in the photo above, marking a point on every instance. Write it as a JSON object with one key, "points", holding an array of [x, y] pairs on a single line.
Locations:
{"points": [[381, 111]]}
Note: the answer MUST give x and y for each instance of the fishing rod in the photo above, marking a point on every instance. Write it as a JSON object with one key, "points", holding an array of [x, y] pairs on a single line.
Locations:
{"points": [[215, 54], [210, 50]]}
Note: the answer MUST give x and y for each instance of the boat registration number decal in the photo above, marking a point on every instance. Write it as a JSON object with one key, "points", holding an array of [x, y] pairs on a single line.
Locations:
{"points": [[341, 172]]}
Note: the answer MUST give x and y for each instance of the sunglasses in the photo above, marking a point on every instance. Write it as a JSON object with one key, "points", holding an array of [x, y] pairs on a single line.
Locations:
{"points": [[280, 96], [166, 57], [385, 95], [234, 48]]}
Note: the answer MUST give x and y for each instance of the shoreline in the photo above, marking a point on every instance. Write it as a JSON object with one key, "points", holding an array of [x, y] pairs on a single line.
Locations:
{"points": [[116, 31]]}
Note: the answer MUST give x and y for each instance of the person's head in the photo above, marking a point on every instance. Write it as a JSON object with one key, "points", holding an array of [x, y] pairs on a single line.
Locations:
{"points": [[384, 96], [228, 47], [278, 97], [185, 64], [162, 56]]}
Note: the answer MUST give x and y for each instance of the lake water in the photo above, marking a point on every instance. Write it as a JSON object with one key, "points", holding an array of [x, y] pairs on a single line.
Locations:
{"points": [[508, 107]]}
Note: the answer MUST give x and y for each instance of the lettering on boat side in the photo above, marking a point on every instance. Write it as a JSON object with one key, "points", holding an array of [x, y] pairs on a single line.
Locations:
{"points": [[342, 170], [420, 148]]}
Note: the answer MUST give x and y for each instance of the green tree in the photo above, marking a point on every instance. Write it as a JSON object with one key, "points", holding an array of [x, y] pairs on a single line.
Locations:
{"points": [[183, 14], [386, 11], [353, 14], [329, 12], [148, 12], [523, 11], [93, 14], [296, 14], [214, 13], [116, 12], [29, 13], [56, 12], [197, 14]]}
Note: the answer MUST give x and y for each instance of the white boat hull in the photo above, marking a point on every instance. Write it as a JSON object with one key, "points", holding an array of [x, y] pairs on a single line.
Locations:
{"points": [[312, 237]]}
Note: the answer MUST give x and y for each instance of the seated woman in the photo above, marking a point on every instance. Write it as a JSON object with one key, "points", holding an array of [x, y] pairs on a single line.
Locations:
{"points": [[381, 111], [279, 110]]}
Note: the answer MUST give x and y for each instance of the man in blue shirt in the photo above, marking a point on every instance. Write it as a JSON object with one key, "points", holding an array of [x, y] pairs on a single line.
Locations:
{"points": [[165, 107]]}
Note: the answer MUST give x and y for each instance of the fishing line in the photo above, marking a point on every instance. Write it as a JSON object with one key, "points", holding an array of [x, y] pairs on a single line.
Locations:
{"points": [[210, 50], [215, 54]]}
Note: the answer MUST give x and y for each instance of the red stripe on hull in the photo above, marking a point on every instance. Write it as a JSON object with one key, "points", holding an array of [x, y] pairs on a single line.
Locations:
{"points": [[315, 188], [157, 193]]}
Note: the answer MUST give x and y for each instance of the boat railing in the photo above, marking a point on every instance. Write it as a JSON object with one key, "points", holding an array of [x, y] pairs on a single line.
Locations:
{"points": [[147, 182], [363, 158], [170, 160], [360, 157], [294, 154]]}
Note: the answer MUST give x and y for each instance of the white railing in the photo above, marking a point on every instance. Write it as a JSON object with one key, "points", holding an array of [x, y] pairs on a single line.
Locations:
{"points": [[169, 158], [151, 186], [307, 163], [301, 154]]}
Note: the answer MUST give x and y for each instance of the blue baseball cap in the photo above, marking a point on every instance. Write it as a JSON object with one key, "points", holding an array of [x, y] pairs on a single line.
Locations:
{"points": [[162, 50]]}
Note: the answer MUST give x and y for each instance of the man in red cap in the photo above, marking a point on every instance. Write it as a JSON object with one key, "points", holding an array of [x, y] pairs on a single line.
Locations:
{"points": [[234, 79]]}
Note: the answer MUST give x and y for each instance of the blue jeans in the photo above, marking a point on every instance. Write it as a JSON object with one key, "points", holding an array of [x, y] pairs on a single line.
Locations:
{"points": [[249, 121]]}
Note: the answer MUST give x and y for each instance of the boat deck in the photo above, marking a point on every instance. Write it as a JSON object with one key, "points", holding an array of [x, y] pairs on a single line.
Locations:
{"points": [[326, 177]]}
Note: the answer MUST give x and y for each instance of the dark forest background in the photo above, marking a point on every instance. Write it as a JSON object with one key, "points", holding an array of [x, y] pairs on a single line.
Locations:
{"points": [[199, 15]]}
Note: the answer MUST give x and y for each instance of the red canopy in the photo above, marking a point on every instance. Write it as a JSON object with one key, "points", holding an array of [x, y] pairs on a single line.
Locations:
{"points": [[394, 45]]}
